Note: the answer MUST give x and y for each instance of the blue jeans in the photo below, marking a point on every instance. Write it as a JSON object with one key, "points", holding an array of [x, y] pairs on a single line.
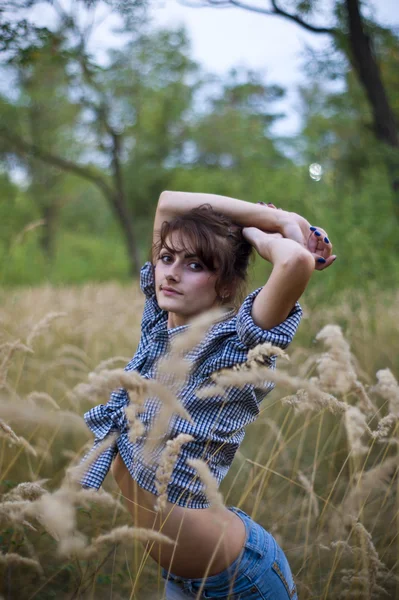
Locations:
{"points": [[261, 571]]}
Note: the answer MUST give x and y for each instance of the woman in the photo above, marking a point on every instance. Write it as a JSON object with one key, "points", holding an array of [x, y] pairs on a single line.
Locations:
{"points": [[201, 249]]}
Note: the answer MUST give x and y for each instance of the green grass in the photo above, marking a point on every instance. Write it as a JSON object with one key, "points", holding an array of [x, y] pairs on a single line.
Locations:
{"points": [[78, 258]]}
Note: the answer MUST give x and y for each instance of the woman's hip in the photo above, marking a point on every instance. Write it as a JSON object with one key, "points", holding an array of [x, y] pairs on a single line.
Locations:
{"points": [[261, 571]]}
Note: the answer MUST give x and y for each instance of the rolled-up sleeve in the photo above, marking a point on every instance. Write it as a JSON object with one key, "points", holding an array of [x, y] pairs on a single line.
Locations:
{"points": [[251, 334], [96, 471], [147, 279], [152, 312]]}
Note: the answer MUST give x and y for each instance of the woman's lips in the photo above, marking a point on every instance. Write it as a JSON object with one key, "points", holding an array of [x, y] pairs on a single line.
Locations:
{"points": [[170, 292]]}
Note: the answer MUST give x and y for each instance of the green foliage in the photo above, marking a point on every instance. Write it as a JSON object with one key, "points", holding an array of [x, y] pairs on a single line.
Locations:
{"points": [[90, 246], [13, 209], [179, 128], [79, 257]]}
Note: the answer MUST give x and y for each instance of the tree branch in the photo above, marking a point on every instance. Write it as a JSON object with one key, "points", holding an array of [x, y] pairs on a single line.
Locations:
{"points": [[277, 11], [297, 19], [119, 202], [24, 147]]}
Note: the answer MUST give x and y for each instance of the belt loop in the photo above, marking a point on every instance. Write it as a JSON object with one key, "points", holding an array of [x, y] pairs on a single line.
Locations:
{"points": [[188, 586]]}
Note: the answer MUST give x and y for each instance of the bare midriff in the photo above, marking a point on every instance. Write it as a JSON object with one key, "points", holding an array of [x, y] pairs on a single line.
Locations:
{"points": [[208, 540]]}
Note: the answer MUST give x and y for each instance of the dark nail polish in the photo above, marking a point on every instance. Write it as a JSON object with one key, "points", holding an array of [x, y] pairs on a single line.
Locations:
{"points": [[312, 228], [327, 241], [262, 203], [321, 260], [317, 233]]}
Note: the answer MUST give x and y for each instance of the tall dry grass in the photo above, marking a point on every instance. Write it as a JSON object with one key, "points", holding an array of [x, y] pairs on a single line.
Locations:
{"points": [[318, 468]]}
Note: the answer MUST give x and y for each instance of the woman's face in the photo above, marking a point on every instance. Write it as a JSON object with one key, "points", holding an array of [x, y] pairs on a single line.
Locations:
{"points": [[193, 282]]}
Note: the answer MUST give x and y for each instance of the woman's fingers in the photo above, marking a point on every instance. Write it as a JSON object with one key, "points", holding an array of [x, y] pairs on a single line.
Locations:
{"points": [[314, 239], [322, 263], [269, 204], [313, 242], [319, 242], [321, 248]]}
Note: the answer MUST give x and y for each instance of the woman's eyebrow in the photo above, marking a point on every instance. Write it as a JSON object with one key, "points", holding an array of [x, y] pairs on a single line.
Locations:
{"points": [[185, 256]]}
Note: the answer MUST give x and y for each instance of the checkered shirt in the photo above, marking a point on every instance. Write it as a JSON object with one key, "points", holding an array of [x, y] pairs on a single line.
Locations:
{"points": [[218, 422]]}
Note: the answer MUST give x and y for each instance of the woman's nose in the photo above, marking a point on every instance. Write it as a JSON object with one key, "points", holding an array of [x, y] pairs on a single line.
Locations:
{"points": [[173, 272]]}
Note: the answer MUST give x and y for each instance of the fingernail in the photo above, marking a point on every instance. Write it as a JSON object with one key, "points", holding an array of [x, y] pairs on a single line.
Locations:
{"points": [[321, 260], [317, 233], [262, 203], [312, 228], [327, 241]]}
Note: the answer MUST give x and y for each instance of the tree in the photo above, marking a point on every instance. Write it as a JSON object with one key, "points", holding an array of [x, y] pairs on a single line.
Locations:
{"points": [[46, 115], [353, 35], [127, 115], [229, 148], [17, 32]]}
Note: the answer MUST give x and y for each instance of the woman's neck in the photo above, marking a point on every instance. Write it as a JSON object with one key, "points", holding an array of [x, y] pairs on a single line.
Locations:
{"points": [[176, 320]]}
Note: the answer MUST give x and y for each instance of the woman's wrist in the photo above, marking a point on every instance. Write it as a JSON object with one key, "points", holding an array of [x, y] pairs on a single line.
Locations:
{"points": [[274, 248], [288, 219], [271, 220], [285, 219], [281, 221], [282, 251]]}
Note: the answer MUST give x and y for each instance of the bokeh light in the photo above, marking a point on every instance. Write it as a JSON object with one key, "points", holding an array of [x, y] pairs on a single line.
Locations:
{"points": [[315, 171]]}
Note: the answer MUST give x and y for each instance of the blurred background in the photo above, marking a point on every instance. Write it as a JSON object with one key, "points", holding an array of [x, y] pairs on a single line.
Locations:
{"points": [[105, 104]]}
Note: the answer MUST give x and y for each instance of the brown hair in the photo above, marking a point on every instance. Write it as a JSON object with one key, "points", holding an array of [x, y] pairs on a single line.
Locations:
{"points": [[218, 243]]}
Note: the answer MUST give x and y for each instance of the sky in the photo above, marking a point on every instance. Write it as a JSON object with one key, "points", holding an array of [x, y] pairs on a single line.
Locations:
{"points": [[224, 38]]}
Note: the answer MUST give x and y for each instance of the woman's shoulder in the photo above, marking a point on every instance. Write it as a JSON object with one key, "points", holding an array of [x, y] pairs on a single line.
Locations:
{"points": [[251, 335], [239, 328], [230, 339]]}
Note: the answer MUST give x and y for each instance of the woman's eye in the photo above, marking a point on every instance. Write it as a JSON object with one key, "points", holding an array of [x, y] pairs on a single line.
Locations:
{"points": [[195, 266]]}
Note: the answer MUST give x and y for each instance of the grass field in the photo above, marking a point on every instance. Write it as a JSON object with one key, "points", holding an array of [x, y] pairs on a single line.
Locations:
{"points": [[318, 468]]}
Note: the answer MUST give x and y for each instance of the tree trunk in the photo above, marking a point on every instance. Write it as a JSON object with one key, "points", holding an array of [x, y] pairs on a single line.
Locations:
{"points": [[114, 195], [366, 67], [121, 207], [47, 239], [125, 220]]}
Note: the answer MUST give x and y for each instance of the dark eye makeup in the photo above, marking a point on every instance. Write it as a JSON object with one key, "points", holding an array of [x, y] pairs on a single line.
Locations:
{"points": [[166, 255]]}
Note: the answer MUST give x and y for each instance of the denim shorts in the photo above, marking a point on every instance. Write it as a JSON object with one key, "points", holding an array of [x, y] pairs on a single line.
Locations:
{"points": [[261, 571]]}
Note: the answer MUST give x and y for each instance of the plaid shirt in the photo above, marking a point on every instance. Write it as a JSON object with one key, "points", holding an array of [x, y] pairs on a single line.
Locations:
{"points": [[218, 422]]}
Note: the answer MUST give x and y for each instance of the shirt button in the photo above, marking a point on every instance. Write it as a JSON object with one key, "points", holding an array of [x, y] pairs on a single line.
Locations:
{"points": [[254, 589]]}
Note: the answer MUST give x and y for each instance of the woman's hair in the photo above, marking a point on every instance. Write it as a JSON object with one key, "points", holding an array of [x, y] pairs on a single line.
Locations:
{"points": [[218, 243]]}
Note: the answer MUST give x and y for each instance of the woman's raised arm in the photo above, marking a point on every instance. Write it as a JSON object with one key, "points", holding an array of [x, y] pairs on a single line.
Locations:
{"points": [[246, 214], [292, 270], [243, 213]]}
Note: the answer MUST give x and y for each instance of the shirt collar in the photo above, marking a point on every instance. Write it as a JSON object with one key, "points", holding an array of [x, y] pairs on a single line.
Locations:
{"points": [[163, 324]]}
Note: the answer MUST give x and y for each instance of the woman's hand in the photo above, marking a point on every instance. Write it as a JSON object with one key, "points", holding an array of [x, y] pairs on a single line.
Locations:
{"points": [[314, 239], [276, 249]]}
